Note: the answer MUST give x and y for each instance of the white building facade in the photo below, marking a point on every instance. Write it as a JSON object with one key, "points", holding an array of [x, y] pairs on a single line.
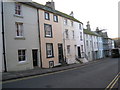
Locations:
{"points": [[73, 40], [100, 47], [21, 32], [93, 44]]}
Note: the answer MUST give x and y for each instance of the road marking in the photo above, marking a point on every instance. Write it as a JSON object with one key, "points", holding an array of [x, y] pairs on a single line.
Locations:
{"points": [[30, 77], [113, 82]]}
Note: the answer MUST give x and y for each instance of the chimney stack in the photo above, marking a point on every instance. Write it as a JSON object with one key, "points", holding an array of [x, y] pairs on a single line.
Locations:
{"points": [[88, 26], [97, 29], [72, 14], [51, 4]]}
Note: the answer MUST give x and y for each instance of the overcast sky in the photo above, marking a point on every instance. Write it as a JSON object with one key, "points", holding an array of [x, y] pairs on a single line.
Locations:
{"points": [[100, 13]]}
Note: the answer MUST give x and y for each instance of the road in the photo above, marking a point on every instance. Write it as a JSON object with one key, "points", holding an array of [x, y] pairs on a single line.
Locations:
{"points": [[95, 75]]}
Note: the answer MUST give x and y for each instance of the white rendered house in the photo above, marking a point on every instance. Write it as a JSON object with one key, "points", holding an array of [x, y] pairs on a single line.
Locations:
{"points": [[21, 34]]}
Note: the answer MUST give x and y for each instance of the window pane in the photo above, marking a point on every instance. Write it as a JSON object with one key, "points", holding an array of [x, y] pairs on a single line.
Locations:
{"points": [[48, 30], [19, 29], [21, 55], [55, 18], [47, 16], [49, 50]]}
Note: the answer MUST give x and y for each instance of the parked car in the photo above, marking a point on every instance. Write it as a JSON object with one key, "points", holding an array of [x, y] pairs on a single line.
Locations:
{"points": [[115, 53]]}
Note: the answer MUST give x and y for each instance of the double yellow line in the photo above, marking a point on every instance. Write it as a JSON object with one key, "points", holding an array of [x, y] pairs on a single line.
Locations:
{"points": [[113, 82]]}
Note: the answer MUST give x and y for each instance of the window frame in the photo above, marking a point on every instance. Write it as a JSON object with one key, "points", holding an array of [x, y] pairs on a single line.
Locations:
{"points": [[81, 36], [73, 34], [72, 24], [16, 9], [68, 51], [56, 18], [20, 61], [65, 21], [19, 29], [66, 34], [49, 56], [48, 36], [46, 13]]}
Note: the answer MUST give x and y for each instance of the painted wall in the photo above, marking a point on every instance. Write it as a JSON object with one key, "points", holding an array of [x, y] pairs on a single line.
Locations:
{"points": [[100, 47], [30, 40], [79, 42], [70, 58], [56, 39], [89, 48]]}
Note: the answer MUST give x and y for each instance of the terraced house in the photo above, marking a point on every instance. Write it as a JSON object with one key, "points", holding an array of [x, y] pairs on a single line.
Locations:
{"points": [[73, 39], [38, 39], [21, 36], [93, 44], [58, 36], [40, 36]]}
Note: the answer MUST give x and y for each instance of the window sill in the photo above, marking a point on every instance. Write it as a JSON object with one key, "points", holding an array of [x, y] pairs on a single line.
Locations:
{"points": [[22, 62], [19, 38], [48, 37], [15, 15], [51, 57]]}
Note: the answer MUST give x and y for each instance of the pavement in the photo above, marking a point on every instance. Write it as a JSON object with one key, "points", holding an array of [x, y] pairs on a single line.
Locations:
{"points": [[38, 71]]}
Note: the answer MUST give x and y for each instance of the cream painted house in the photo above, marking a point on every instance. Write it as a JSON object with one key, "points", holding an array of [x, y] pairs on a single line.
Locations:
{"points": [[54, 44], [51, 39], [21, 36]]}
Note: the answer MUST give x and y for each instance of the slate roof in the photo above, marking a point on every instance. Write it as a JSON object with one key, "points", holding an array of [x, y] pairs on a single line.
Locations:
{"points": [[91, 32], [46, 8]]}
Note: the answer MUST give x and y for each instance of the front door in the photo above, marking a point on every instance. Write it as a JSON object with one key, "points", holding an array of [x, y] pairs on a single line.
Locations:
{"points": [[35, 57], [79, 53], [60, 53]]}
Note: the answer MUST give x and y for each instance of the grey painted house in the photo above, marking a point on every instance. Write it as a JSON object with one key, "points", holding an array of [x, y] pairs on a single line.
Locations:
{"points": [[21, 36]]}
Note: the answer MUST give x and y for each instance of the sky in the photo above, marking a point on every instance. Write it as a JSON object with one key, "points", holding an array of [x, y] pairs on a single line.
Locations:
{"points": [[100, 13]]}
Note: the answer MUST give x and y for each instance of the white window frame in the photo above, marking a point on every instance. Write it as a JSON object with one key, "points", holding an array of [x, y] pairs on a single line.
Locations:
{"points": [[81, 36], [49, 30], [73, 34], [19, 29], [22, 55], [65, 21], [47, 16], [55, 17], [68, 49], [17, 9], [80, 26], [66, 33], [72, 23], [82, 48], [49, 50]]}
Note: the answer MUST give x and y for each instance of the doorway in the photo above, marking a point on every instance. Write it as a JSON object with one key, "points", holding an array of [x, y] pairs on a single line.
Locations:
{"points": [[35, 57], [60, 53], [79, 53]]}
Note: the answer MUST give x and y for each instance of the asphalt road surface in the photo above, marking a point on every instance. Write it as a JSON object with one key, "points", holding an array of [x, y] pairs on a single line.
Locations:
{"points": [[96, 75]]}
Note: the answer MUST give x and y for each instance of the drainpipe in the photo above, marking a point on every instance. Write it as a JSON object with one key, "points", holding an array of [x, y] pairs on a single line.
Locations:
{"points": [[39, 36], [3, 37], [64, 45]]}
